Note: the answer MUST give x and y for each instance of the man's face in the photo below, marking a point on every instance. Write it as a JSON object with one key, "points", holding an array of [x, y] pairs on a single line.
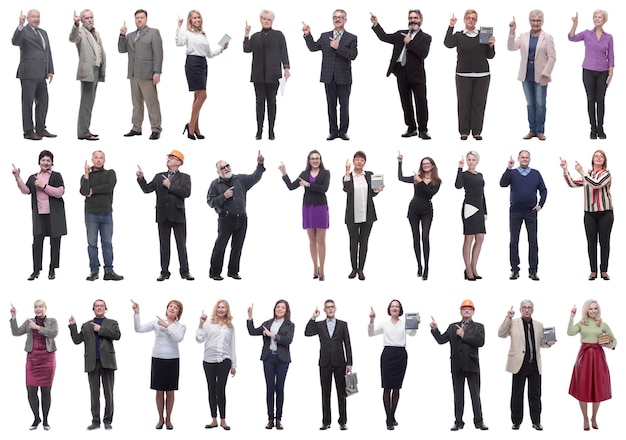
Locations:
{"points": [[97, 159], [467, 313], [414, 19], [173, 163], [87, 20], [524, 159], [140, 20], [329, 309], [99, 308], [339, 20], [33, 18], [223, 169], [526, 309]]}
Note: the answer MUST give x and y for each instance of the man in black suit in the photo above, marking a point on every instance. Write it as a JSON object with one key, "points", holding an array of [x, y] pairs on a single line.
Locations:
{"points": [[335, 359], [339, 48], [465, 337], [35, 68], [172, 188], [98, 335], [410, 48]]}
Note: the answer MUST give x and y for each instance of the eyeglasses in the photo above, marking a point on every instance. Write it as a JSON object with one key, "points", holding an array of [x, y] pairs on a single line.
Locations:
{"points": [[222, 168], [526, 308], [536, 21], [338, 17], [329, 307]]}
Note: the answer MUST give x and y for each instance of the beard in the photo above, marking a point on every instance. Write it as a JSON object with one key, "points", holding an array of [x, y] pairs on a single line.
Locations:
{"points": [[228, 175], [414, 27], [89, 27]]}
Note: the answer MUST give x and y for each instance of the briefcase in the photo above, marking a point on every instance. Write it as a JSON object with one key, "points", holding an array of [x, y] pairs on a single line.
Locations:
{"points": [[351, 384]]}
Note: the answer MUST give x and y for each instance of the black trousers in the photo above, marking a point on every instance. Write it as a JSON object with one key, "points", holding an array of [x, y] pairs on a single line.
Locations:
{"points": [[338, 93], [458, 385], [471, 94], [108, 379], [530, 372], [180, 235], [595, 87], [55, 245], [34, 91], [228, 226], [359, 236], [598, 226], [265, 93], [216, 377], [408, 92], [326, 379]]}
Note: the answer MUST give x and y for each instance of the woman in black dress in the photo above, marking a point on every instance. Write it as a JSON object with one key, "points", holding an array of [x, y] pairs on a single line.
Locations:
{"points": [[473, 213], [426, 184]]}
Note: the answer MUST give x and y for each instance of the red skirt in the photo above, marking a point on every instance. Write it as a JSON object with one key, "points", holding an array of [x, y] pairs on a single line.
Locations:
{"points": [[591, 381], [40, 367]]}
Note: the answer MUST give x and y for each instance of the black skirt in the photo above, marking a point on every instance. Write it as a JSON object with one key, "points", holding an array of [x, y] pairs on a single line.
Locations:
{"points": [[392, 367], [164, 374], [196, 71]]}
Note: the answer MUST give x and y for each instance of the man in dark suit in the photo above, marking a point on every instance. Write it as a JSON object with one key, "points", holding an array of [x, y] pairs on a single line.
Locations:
{"points": [[339, 48], [172, 188], [465, 337], [35, 68], [98, 335], [410, 48], [335, 359], [145, 63], [91, 69]]}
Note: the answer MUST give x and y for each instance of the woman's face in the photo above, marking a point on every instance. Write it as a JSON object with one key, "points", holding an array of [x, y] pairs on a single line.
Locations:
{"points": [[280, 310], [394, 309], [314, 160], [359, 162], [470, 21], [40, 310], [593, 310], [221, 310], [598, 159], [536, 21], [471, 160], [196, 20], [45, 163], [266, 22], [426, 166], [172, 311], [598, 19]]}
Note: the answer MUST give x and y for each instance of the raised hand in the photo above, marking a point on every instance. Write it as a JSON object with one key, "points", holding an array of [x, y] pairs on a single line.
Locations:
{"points": [[247, 29], [510, 313], [573, 312], [135, 307], [22, 18], [139, 172], [162, 322], [580, 169], [407, 37], [433, 323], [459, 331], [72, 320], [282, 168], [203, 318], [15, 172], [250, 309], [400, 157], [462, 162], [511, 163], [306, 29], [123, 29], [373, 19], [452, 21], [512, 26], [348, 167], [87, 168], [259, 158], [575, 19], [166, 182], [316, 313], [180, 21], [76, 19], [13, 312], [563, 164], [372, 314]]}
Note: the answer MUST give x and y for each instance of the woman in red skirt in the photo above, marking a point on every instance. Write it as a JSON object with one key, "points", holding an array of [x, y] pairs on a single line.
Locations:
{"points": [[40, 361], [591, 381]]}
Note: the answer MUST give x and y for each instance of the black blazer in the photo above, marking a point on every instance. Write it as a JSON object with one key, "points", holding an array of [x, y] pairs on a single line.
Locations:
{"points": [[416, 51], [316, 193], [269, 51], [58, 225], [335, 351], [336, 63], [463, 351], [348, 187], [283, 338], [170, 202]]}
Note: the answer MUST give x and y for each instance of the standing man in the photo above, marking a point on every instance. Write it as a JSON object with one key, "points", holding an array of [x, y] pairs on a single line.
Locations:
{"points": [[525, 182], [335, 360], [227, 195], [465, 338], [145, 61], [98, 335], [97, 185], [524, 362], [34, 69], [339, 48], [410, 48], [172, 188], [91, 69]]}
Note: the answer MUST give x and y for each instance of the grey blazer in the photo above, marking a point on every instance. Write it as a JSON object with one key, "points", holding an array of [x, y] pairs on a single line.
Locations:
{"points": [[87, 46], [35, 59], [145, 54], [50, 330], [109, 332]]}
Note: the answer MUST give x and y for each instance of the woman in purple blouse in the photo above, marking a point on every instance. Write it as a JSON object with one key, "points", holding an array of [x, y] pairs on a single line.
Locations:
{"points": [[597, 68]]}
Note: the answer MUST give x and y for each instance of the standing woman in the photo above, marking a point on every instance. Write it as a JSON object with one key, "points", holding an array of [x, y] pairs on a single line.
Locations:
{"points": [[218, 336], [426, 184], [394, 358], [360, 211], [473, 213], [269, 52], [315, 180], [591, 381], [597, 68], [472, 73], [598, 210], [46, 198], [40, 360], [198, 51], [277, 336], [165, 357]]}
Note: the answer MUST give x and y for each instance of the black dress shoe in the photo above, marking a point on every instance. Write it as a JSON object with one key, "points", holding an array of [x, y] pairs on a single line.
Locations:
{"points": [[90, 137], [601, 134], [324, 427], [332, 137], [225, 427], [361, 275], [344, 136], [210, 426], [533, 276], [163, 277], [514, 275], [170, 426], [108, 426], [457, 426], [46, 134], [409, 133], [343, 427], [112, 276], [234, 276], [33, 276], [352, 274], [32, 136], [46, 427], [216, 277], [132, 133], [270, 424], [279, 425], [481, 426], [463, 137], [187, 277], [271, 135], [515, 426], [258, 136], [478, 137], [424, 135], [93, 276], [390, 427], [93, 426], [538, 426], [154, 136], [51, 274], [160, 426], [605, 276], [593, 134]]}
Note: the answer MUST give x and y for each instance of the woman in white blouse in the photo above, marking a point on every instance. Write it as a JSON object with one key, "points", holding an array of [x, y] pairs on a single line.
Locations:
{"points": [[218, 335], [198, 51], [394, 358], [165, 357]]}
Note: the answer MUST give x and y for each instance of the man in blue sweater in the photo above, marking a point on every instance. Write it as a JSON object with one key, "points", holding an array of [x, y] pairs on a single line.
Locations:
{"points": [[525, 182]]}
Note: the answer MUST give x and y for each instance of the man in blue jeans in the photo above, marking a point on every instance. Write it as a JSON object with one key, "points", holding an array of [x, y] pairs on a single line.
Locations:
{"points": [[97, 186]]}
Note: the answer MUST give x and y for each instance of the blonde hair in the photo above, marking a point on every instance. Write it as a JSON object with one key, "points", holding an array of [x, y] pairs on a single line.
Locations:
{"points": [[189, 26], [267, 14], [228, 319], [42, 303], [473, 153], [584, 320], [603, 13], [470, 11]]}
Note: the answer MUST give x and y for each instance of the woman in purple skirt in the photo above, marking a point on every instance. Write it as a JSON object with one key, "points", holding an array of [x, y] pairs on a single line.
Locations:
{"points": [[40, 361], [315, 180]]}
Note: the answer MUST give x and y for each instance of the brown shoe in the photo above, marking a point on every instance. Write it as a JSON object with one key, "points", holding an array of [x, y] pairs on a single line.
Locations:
{"points": [[541, 136], [530, 135]]}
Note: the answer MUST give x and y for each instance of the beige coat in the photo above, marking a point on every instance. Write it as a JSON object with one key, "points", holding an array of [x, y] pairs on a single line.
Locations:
{"points": [[87, 54], [545, 54], [515, 329]]}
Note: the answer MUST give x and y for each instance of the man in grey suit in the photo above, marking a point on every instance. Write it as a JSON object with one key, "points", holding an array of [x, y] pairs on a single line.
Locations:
{"points": [[98, 335], [91, 69], [339, 48], [145, 61], [35, 68]]}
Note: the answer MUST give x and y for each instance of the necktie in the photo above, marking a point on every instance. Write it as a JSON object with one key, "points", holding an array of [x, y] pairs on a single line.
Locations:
{"points": [[337, 35], [403, 59], [531, 348], [43, 41], [93, 33]]}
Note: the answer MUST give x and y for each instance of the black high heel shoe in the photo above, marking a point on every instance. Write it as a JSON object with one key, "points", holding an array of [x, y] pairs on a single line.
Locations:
{"points": [[425, 274], [189, 135], [468, 278], [198, 135], [419, 270]]}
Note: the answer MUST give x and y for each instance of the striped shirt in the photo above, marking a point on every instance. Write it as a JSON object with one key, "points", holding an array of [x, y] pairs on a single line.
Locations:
{"points": [[597, 187]]}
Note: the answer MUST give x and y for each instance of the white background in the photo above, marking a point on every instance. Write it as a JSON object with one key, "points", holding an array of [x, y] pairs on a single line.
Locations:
{"points": [[275, 261]]}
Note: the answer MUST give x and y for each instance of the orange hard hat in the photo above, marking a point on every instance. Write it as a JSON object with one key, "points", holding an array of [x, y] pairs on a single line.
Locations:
{"points": [[177, 154], [467, 303]]}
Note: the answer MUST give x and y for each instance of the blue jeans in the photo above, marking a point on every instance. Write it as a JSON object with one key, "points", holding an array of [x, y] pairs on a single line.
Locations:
{"points": [[101, 222], [275, 374], [536, 105]]}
